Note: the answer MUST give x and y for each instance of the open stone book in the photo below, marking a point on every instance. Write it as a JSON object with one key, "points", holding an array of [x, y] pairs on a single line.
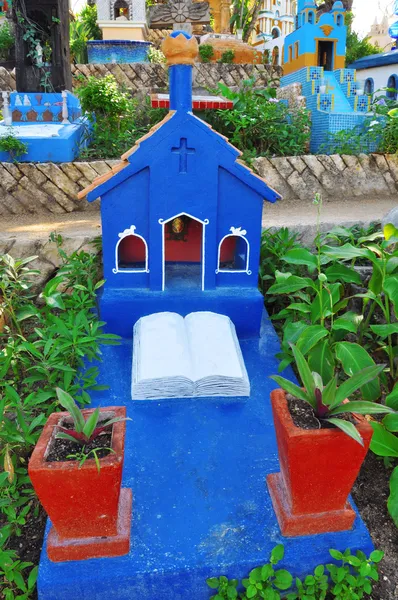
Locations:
{"points": [[175, 357]]}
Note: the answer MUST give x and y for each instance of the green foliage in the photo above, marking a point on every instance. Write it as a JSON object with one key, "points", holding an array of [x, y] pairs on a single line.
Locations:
{"points": [[258, 124], [7, 40], [274, 246], [156, 56], [206, 52], [357, 48], [13, 146], [354, 578], [89, 17], [118, 120], [311, 306], [44, 346], [329, 401], [84, 430], [83, 27], [349, 578], [227, 57]]}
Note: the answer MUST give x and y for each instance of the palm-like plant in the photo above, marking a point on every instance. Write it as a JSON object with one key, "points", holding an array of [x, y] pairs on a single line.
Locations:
{"points": [[328, 402], [84, 430]]}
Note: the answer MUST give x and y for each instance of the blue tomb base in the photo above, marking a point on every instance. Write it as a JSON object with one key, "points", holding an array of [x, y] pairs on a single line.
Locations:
{"points": [[121, 309], [201, 508], [48, 142], [117, 51]]}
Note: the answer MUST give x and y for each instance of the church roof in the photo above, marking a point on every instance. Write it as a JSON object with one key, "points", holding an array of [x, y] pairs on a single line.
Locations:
{"points": [[375, 60], [131, 163], [180, 50]]}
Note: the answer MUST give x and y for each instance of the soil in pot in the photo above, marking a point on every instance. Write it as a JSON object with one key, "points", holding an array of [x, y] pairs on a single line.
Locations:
{"points": [[304, 417], [65, 450]]}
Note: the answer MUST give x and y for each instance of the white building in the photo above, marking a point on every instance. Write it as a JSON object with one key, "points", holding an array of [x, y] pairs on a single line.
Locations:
{"points": [[377, 72], [275, 21], [378, 34]]}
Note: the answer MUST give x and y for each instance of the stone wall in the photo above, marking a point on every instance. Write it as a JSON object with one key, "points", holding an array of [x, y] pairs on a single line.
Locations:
{"points": [[336, 177], [142, 78], [27, 188]]}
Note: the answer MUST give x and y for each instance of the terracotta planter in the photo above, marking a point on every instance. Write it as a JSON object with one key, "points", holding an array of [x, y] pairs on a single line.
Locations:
{"points": [[89, 512], [317, 471]]}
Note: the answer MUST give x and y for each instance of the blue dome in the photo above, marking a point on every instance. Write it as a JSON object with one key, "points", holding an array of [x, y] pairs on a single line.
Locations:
{"points": [[338, 5], [393, 31], [185, 33]]}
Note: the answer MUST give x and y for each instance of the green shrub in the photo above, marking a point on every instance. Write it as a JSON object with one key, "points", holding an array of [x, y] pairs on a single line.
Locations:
{"points": [[227, 57], [156, 56], [104, 97], [118, 119], [206, 52], [7, 40], [13, 146], [258, 124]]}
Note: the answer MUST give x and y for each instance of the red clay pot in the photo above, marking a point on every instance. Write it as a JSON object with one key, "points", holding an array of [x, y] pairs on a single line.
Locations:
{"points": [[318, 470], [85, 506]]}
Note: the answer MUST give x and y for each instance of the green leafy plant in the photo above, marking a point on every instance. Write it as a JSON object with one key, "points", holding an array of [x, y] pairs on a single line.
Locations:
{"points": [[350, 578], [313, 587], [13, 146], [258, 124], [206, 53], [353, 579], [328, 401], [118, 120], [84, 455], [226, 588], [262, 581], [7, 40], [227, 57], [44, 346], [85, 431], [156, 56]]}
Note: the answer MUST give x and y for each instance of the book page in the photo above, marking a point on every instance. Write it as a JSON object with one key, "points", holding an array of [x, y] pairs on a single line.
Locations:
{"points": [[213, 347], [163, 349]]}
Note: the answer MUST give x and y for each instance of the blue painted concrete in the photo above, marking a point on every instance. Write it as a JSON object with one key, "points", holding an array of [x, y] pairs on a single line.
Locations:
{"points": [[117, 51], [201, 506], [61, 142], [120, 309], [66, 147]]}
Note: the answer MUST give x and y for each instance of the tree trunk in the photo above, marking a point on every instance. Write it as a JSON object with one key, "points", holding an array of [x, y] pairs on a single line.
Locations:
{"points": [[255, 12]]}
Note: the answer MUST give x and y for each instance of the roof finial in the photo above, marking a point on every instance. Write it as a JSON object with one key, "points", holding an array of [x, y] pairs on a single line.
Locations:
{"points": [[180, 48]]}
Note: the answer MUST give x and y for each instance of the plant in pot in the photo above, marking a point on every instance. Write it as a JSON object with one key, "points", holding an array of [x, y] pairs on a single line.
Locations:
{"points": [[76, 470], [322, 443]]}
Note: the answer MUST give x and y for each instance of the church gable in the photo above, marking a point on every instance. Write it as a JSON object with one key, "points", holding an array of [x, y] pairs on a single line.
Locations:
{"points": [[181, 214]]}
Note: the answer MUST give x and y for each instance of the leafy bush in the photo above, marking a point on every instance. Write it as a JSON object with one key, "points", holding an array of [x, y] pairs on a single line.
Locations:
{"points": [[227, 57], [43, 346], [7, 40], [82, 29], [13, 146], [259, 125], [118, 120], [156, 56], [206, 52]]}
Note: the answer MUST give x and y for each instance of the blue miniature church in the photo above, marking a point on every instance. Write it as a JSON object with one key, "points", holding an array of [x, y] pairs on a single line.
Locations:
{"points": [[181, 217]]}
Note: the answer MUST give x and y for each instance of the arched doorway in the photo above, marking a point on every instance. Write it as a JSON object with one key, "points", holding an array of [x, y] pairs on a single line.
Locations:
{"points": [[275, 56], [121, 9], [392, 84], [183, 252]]}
